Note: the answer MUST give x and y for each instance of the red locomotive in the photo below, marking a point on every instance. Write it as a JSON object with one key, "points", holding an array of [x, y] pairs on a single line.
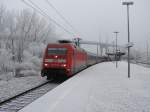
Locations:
{"points": [[64, 60]]}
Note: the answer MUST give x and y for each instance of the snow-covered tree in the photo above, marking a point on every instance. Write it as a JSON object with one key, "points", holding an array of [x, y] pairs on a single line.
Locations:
{"points": [[23, 38]]}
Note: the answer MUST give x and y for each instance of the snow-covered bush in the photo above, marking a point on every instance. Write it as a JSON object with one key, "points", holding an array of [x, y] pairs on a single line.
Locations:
{"points": [[29, 73], [36, 62], [37, 49], [5, 60]]}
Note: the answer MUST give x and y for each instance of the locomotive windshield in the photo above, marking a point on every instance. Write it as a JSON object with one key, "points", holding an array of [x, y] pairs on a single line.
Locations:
{"points": [[57, 51]]}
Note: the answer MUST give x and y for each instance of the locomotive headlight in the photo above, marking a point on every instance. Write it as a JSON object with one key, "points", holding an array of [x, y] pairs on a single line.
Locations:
{"points": [[46, 64], [64, 65], [56, 56]]}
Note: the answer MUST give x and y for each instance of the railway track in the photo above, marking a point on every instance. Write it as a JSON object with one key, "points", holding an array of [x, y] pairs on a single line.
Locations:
{"points": [[19, 101], [142, 64]]}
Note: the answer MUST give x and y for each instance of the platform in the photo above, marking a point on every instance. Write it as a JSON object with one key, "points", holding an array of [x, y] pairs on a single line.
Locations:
{"points": [[100, 88]]}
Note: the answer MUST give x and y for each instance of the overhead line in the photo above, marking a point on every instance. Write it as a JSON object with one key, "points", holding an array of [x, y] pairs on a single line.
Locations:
{"points": [[39, 10], [67, 22], [52, 6], [50, 18]]}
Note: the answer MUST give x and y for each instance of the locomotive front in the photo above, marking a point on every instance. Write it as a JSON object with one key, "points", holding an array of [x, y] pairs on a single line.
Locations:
{"points": [[56, 61]]}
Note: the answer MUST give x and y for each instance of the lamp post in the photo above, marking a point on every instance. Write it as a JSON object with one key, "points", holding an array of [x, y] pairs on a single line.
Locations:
{"points": [[97, 54], [128, 4], [116, 49], [147, 50]]}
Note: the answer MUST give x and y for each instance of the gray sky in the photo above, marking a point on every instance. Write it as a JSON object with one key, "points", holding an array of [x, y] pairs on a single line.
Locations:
{"points": [[98, 18]]}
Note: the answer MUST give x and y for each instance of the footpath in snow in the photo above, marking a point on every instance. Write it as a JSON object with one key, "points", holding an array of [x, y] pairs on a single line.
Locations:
{"points": [[100, 88]]}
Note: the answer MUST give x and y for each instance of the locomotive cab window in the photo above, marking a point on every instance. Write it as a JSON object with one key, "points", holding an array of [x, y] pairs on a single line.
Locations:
{"points": [[57, 51]]}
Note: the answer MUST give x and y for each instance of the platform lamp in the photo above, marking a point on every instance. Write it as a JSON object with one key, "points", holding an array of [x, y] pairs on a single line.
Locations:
{"points": [[128, 25]]}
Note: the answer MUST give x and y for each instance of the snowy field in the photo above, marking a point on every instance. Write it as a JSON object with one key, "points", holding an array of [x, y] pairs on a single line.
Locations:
{"points": [[100, 88], [18, 85]]}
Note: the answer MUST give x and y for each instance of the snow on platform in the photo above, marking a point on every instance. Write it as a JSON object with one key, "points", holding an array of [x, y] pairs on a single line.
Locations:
{"points": [[100, 88]]}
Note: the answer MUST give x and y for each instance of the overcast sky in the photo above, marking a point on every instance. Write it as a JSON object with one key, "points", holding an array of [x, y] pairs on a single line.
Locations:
{"points": [[98, 18]]}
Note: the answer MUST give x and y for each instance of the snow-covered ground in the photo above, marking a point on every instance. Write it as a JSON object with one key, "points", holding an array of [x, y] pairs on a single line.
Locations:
{"points": [[100, 88], [18, 85]]}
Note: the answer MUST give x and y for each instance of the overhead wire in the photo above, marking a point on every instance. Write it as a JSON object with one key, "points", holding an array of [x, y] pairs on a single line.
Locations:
{"points": [[51, 18], [40, 11], [66, 21]]}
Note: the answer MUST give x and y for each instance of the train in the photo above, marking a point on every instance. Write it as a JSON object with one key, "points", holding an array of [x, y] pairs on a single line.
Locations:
{"points": [[64, 59]]}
